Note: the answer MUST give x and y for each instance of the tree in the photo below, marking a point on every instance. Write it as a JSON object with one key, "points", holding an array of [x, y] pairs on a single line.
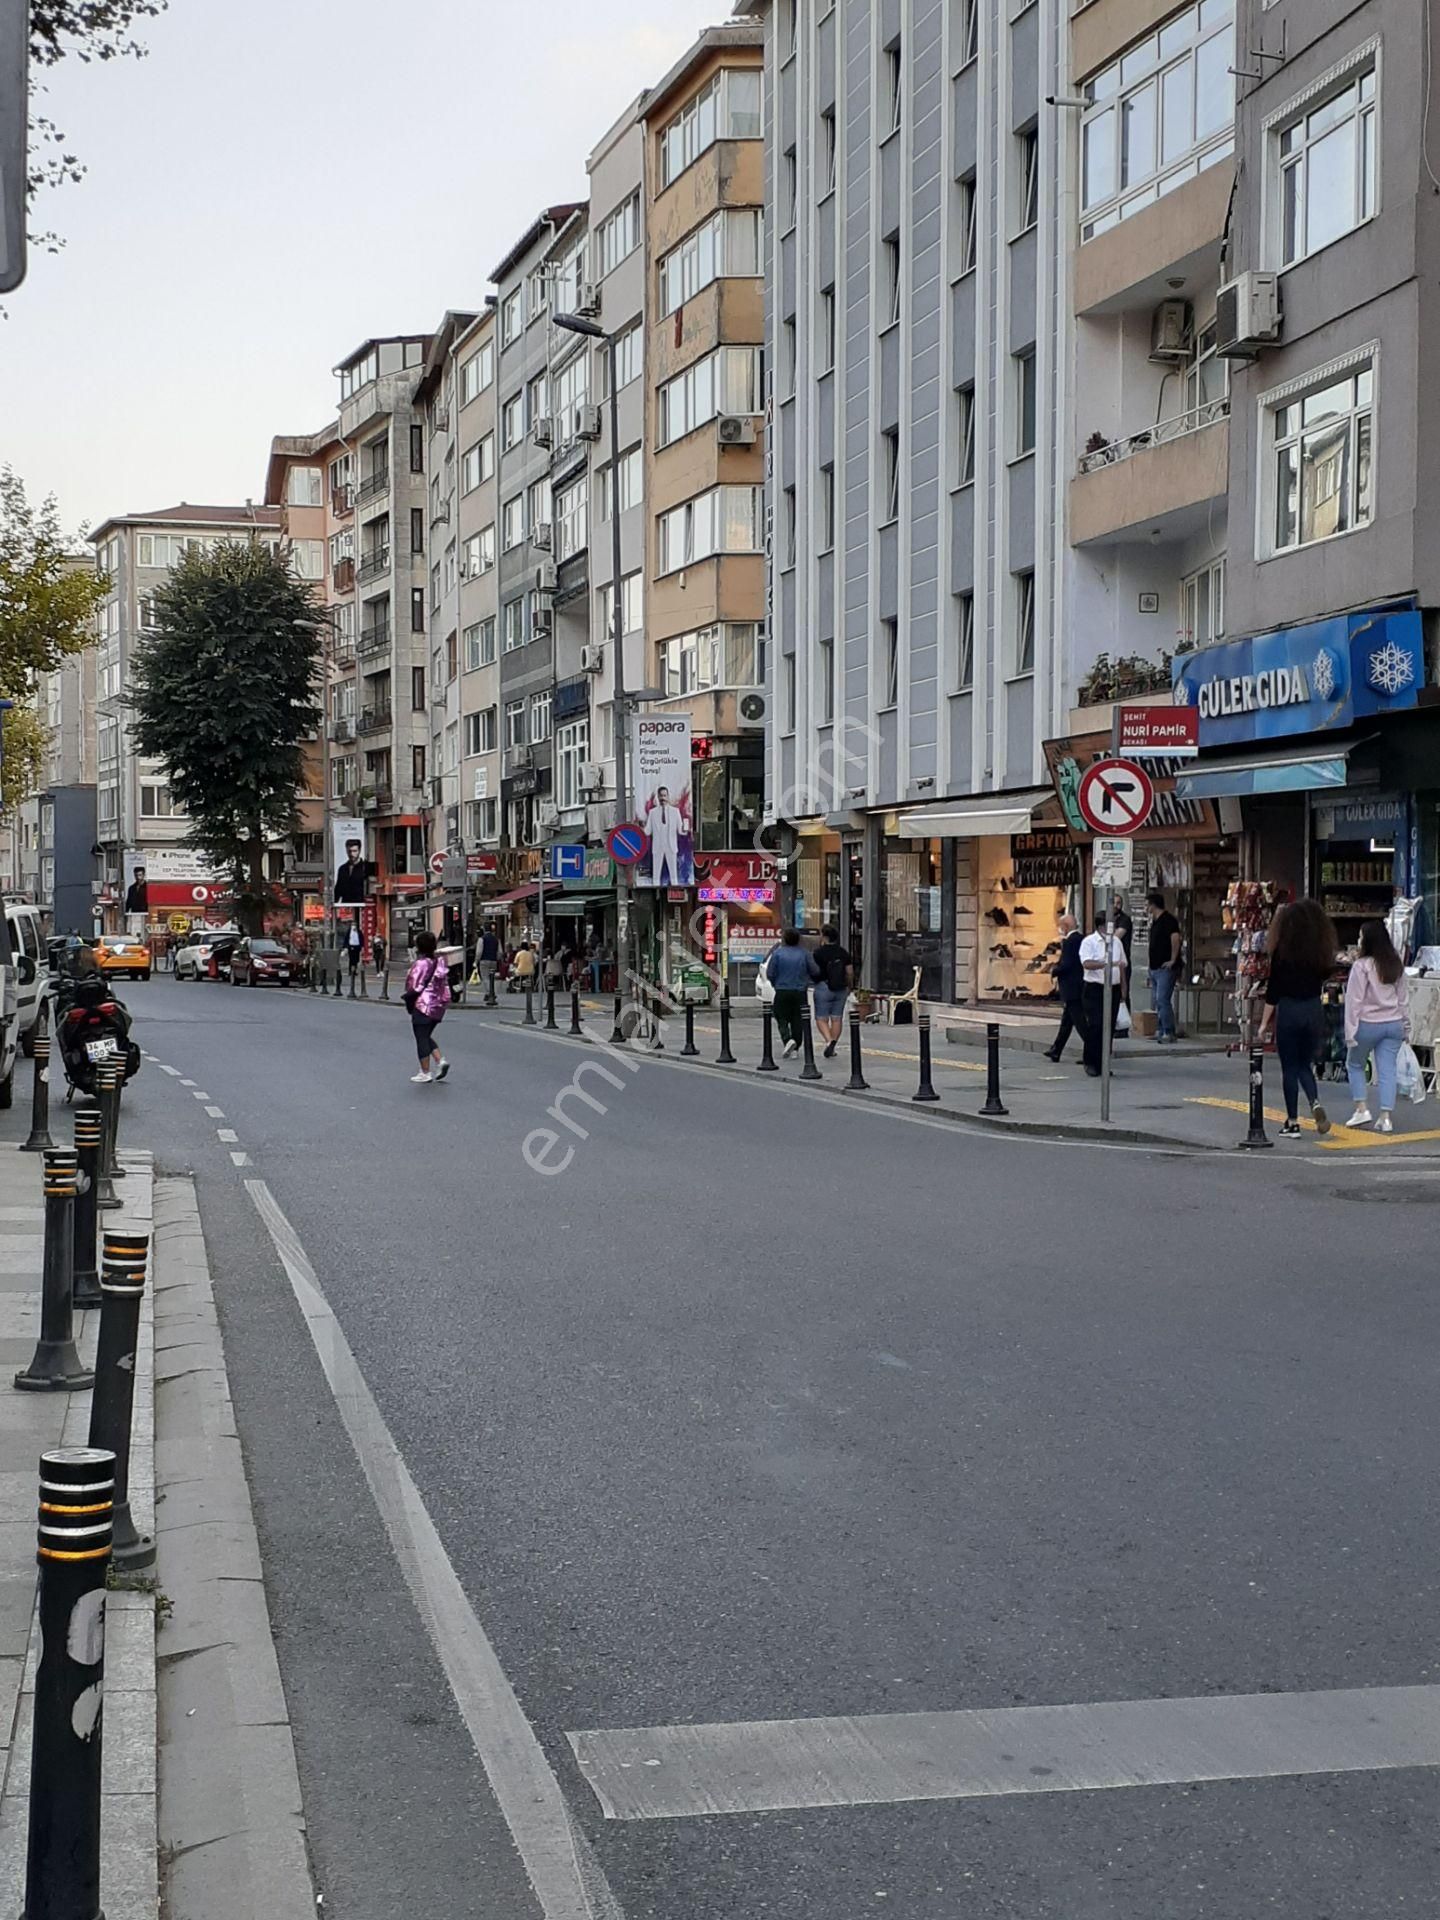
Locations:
{"points": [[48, 597], [224, 695]]}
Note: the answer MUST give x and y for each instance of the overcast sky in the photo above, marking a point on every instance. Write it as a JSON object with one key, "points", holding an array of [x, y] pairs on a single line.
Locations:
{"points": [[277, 181]]}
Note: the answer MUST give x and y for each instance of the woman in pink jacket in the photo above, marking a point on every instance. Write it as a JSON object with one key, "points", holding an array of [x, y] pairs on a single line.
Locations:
{"points": [[1377, 1021], [427, 994]]}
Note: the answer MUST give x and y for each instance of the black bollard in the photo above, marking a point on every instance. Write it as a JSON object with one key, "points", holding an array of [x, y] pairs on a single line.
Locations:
{"points": [[1257, 1136], [577, 1032], [690, 1051], [40, 1140], [809, 1070], [993, 1103], [617, 1037], [529, 1020], [62, 1861], [85, 1291], [550, 1022], [767, 1041], [310, 971], [385, 979], [110, 1078], [364, 988], [926, 1089], [353, 972], [55, 1364], [122, 1284], [725, 1057], [857, 1083]]}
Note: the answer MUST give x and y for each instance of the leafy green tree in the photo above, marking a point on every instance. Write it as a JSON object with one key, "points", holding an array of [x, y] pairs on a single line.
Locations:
{"points": [[223, 693], [48, 597]]}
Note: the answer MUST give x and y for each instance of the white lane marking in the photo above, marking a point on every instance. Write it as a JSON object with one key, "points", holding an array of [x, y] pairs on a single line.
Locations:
{"points": [[200, 1096], [226, 1133], [174, 1072], [765, 1766], [216, 1113], [241, 1159], [187, 1083], [563, 1871]]}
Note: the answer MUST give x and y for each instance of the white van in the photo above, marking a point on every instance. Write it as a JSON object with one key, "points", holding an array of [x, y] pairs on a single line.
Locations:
{"points": [[12, 965], [32, 983]]}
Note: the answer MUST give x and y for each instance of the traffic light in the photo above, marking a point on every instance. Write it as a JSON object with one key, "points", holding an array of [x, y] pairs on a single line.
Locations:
{"points": [[14, 131]]}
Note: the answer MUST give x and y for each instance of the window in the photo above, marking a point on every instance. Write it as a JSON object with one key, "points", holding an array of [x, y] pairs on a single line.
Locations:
{"points": [[1025, 401], [727, 381], [147, 615], [478, 464], [890, 662], [512, 421], [512, 522], [483, 817], [417, 530], [477, 373], [512, 317], [417, 767], [1202, 605], [725, 520], [632, 606], [964, 642], [487, 730], [827, 330], [1157, 116], [472, 735], [827, 508], [537, 505], [617, 236], [452, 747], [417, 610], [1328, 168], [572, 750], [540, 717], [535, 408], [570, 391], [1025, 622], [969, 31], [572, 520], [304, 487], [1207, 379], [728, 108], [435, 587], [731, 243], [965, 435], [890, 281], [1029, 144], [452, 657], [155, 801], [829, 149], [480, 645], [969, 205], [417, 690], [512, 619], [890, 462], [629, 357], [893, 80], [790, 693], [417, 449], [631, 484], [479, 556], [514, 723], [791, 201], [789, 355], [359, 374], [827, 681], [307, 557], [720, 656], [520, 821], [789, 518], [1322, 461], [539, 298]]}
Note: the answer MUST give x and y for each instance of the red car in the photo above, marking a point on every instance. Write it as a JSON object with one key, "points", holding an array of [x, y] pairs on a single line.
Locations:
{"points": [[262, 963]]}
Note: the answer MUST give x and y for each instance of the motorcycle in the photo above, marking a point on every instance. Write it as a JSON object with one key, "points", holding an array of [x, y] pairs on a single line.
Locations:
{"points": [[92, 1028]]}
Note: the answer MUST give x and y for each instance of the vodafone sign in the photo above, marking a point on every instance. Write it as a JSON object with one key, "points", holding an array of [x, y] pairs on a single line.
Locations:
{"points": [[167, 895]]}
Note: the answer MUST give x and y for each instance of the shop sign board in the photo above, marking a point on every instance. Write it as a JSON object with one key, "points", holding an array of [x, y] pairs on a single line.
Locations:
{"points": [[1113, 862], [1115, 797], [1171, 732], [736, 879], [1310, 679], [478, 865], [598, 871], [1044, 857]]}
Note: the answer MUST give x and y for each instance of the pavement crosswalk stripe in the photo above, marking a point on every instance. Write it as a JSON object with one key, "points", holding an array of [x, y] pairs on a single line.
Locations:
{"points": [[769, 1766], [1339, 1139]]}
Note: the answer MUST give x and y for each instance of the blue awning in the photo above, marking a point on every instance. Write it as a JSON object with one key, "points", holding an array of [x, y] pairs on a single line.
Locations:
{"points": [[1292, 772]]}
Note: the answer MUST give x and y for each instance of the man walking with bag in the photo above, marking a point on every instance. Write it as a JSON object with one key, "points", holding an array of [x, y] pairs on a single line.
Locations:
{"points": [[1100, 953]]}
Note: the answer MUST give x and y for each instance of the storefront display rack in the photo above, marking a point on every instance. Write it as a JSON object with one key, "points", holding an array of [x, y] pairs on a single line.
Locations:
{"points": [[1249, 908]]}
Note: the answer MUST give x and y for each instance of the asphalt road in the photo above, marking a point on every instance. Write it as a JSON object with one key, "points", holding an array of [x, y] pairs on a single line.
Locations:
{"points": [[769, 1408]]}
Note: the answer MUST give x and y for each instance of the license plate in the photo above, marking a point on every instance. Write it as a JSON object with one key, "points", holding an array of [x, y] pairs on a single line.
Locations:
{"points": [[100, 1049]]}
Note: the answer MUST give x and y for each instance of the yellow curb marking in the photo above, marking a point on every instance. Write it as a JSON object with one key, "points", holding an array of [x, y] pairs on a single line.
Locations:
{"points": [[1339, 1139], [884, 1053]]}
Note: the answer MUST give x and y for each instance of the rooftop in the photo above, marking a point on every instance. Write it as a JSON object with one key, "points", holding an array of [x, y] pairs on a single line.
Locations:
{"points": [[549, 217], [186, 515], [712, 41]]}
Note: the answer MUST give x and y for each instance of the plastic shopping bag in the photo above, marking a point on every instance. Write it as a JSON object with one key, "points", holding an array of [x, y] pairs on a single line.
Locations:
{"points": [[1408, 1074], [1122, 1019]]}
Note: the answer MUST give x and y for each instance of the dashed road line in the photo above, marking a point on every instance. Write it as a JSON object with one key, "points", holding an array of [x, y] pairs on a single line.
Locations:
{"points": [[241, 1159], [226, 1133], [187, 1083], [201, 1096], [216, 1113], [174, 1072]]}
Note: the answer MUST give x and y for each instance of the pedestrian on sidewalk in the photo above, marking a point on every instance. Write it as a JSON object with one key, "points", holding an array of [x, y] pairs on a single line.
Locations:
{"points": [[427, 995], [790, 970], [1164, 962], [378, 953], [1100, 953], [833, 989], [1302, 946], [354, 948], [522, 974], [555, 968], [487, 960], [1377, 1021], [1070, 984]]}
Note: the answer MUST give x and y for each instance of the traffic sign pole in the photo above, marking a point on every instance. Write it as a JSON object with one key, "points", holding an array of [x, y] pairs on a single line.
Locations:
{"points": [[1107, 1042]]}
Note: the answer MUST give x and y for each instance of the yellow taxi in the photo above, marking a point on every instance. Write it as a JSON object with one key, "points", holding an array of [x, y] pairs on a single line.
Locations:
{"points": [[119, 954]]}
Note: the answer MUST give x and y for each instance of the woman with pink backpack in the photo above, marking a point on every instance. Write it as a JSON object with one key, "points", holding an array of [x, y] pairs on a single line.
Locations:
{"points": [[427, 995]]}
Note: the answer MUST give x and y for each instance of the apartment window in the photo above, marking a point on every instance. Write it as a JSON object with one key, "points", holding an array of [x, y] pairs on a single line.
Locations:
{"points": [[535, 399], [483, 819], [1025, 622], [829, 151], [155, 801], [827, 509], [512, 620], [1202, 605], [1207, 378], [479, 553], [435, 587], [417, 449], [1322, 461], [890, 662], [477, 464], [512, 421], [515, 723], [572, 750], [890, 449], [969, 31], [720, 656], [728, 108], [632, 605], [340, 471], [827, 681], [512, 317], [487, 730], [790, 517], [539, 293], [452, 747], [304, 487], [537, 505], [417, 530], [480, 645], [417, 610], [1328, 168], [964, 642], [572, 520], [1157, 116], [452, 657], [512, 523], [147, 613], [629, 357], [1025, 401], [472, 735], [477, 373], [965, 434], [631, 484], [791, 702], [307, 557], [417, 768], [725, 520], [969, 208], [789, 355], [893, 71], [540, 716], [1029, 145], [417, 690], [890, 281], [791, 202], [729, 244], [617, 236], [827, 330], [728, 381]]}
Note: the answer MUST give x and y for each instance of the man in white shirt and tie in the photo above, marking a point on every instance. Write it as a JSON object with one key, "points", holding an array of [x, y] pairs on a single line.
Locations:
{"points": [[1093, 959]]}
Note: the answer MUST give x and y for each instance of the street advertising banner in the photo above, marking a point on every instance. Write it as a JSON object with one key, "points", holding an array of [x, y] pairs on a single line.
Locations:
{"points": [[348, 853], [660, 756]]}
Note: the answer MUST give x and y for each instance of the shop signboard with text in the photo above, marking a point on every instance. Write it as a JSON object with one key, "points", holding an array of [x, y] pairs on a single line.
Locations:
{"points": [[660, 757], [1169, 732], [735, 879], [1170, 817], [1310, 679]]}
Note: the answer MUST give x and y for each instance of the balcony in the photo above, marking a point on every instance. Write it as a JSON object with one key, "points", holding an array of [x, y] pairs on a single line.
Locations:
{"points": [[373, 564], [344, 574], [374, 639], [376, 719], [1135, 265], [518, 760], [1161, 479], [375, 800], [342, 732], [342, 502], [373, 485]]}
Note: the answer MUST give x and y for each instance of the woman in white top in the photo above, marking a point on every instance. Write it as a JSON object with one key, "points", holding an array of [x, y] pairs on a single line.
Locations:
{"points": [[1377, 1021]]}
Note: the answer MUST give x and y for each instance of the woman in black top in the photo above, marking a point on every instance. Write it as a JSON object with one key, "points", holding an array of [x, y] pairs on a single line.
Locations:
{"points": [[1302, 946]]}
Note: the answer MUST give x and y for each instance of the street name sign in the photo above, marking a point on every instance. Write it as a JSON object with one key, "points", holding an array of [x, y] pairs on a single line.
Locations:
{"points": [[1170, 733], [1115, 798]]}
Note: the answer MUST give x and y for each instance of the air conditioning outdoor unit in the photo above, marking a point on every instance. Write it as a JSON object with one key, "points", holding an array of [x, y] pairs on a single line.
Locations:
{"points": [[590, 299], [542, 535], [592, 659], [1247, 315], [1171, 332], [542, 434], [751, 709], [592, 777], [587, 423], [736, 431], [545, 577], [547, 816], [442, 419], [441, 515]]}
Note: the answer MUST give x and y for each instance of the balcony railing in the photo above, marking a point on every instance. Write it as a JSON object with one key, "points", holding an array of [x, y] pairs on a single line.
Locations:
{"points": [[375, 639], [374, 483], [376, 719], [1114, 451], [374, 563], [342, 731], [375, 800], [344, 574]]}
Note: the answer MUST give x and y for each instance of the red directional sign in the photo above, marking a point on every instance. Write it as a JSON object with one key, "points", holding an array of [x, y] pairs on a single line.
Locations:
{"points": [[1115, 797]]}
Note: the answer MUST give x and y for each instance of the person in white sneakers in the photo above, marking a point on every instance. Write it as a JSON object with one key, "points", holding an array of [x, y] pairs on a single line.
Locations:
{"points": [[1377, 1021], [427, 995]]}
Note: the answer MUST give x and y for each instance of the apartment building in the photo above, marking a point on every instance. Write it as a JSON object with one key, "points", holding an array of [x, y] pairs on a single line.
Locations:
{"points": [[917, 345]]}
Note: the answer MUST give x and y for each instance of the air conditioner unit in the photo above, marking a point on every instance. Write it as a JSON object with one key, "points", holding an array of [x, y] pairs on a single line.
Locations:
{"points": [[751, 709], [592, 777], [590, 299], [542, 434], [547, 816], [442, 419], [587, 423], [1247, 315], [736, 431], [542, 535], [545, 577], [441, 516], [1171, 332], [592, 659]]}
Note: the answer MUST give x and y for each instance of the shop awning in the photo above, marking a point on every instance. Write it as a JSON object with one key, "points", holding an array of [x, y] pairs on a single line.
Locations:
{"points": [[984, 814], [529, 891], [1287, 770]]}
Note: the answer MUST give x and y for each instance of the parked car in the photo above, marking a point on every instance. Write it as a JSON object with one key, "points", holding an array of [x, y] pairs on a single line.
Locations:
{"points": [[200, 956], [222, 949], [259, 963], [32, 990], [120, 953]]}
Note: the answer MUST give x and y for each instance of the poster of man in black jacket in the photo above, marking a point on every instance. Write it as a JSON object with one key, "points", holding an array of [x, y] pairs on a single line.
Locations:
{"points": [[352, 876]]}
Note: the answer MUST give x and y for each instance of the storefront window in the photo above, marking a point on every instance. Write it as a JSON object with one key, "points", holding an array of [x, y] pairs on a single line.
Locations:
{"points": [[1025, 885], [912, 918]]}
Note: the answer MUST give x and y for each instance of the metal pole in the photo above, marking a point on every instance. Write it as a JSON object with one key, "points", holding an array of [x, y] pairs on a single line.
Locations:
{"points": [[808, 1070], [767, 1042], [122, 1285], [1257, 1136], [62, 1861], [993, 1103], [529, 1020], [725, 1057], [576, 1030], [40, 1139], [550, 1023], [926, 1089], [689, 1051], [617, 1037], [857, 1083], [111, 1078], [55, 1364], [89, 1134], [1107, 1017], [624, 930]]}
